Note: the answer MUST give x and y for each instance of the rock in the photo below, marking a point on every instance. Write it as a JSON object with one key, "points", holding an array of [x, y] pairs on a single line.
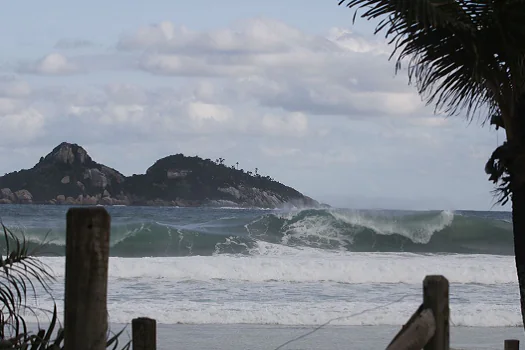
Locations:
{"points": [[177, 174], [222, 203], [81, 186], [156, 203], [88, 200], [106, 201], [5, 201], [106, 194], [122, 200], [24, 197], [65, 180], [67, 153], [71, 201], [112, 174], [61, 198], [6, 193], [231, 191], [97, 178]]}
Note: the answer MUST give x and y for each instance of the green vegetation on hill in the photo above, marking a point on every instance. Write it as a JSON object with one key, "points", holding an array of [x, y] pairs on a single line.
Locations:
{"points": [[195, 178]]}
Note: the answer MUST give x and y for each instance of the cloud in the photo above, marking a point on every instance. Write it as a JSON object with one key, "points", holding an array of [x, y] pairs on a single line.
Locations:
{"points": [[247, 36], [260, 60], [13, 87], [51, 64], [276, 65], [71, 44], [294, 124], [20, 126]]}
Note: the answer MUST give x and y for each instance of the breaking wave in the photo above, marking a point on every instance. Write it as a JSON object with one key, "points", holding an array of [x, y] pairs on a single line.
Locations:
{"points": [[328, 229]]}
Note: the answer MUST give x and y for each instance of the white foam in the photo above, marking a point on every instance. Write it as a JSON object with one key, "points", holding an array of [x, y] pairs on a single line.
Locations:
{"points": [[297, 313], [290, 286], [418, 232], [278, 263], [321, 229]]}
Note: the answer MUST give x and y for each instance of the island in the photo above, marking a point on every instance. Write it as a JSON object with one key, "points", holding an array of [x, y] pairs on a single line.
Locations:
{"points": [[68, 175]]}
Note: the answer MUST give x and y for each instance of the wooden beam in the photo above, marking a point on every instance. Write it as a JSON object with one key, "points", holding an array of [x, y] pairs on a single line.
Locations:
{"points": [[85, 299], [435, 298], [416, 333], [512, 344], [409, 322], [144, 333]]}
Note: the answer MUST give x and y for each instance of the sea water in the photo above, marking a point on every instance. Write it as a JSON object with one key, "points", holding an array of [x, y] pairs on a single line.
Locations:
{"points": [[261, 272]]}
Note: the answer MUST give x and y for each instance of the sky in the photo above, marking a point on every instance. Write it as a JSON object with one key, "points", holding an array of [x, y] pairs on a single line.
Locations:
{"points": [[292, 88]]}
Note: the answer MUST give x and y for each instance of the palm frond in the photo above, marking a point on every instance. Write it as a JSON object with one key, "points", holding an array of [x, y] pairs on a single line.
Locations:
{"points": [[20, 273], [453, 49]]}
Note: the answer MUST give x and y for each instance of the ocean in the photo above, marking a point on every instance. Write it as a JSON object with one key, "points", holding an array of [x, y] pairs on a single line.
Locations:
{"points": [[254, 279]]}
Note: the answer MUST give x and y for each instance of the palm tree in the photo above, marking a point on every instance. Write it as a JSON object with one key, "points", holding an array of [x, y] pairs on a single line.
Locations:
{"points": [[20, 272], [468, 56]]}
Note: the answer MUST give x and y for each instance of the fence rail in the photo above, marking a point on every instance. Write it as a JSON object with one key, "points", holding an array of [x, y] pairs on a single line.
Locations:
{"points": [[85, 301]]}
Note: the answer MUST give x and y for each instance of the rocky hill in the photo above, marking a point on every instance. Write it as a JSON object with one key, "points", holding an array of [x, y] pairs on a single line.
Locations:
{"points": [[68, 175]]}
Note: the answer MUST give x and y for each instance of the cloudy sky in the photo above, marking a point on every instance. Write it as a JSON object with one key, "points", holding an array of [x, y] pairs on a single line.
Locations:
{"points": [[290, 87]]}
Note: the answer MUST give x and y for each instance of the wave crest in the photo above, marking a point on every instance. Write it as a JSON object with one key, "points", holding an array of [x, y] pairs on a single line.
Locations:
{"points": [[325, 230]]}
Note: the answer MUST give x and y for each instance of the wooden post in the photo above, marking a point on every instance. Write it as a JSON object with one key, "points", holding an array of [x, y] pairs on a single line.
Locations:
{"points": [[512, 344], [435, 297], [85, 298], [144, 333], [416, 333]]}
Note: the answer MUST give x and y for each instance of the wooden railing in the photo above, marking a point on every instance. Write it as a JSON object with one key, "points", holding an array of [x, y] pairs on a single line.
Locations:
{"points": [[85, 304], [429, 326]]}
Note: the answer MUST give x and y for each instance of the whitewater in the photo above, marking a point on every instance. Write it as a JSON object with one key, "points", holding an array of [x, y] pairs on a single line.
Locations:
{"points": [[299, 268]]}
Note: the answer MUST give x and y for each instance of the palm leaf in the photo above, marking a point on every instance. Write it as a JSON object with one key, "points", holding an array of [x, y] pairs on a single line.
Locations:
{"points": [[462, 54], [20, 272]]}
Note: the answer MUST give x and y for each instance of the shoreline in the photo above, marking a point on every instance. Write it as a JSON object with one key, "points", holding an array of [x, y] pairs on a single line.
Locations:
{"points": [[206, 205], [268, 337]]}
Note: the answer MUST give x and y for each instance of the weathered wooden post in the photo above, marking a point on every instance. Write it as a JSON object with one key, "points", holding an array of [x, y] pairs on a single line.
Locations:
{"points": [[144, 333], [512, 344], [435, 298], [85, 299]]}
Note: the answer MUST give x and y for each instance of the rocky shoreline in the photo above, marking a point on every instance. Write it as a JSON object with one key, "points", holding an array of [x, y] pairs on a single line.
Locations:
{"points": [[25, 197]]}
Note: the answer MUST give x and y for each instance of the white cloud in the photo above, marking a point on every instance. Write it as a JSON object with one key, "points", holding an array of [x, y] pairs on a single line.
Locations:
{"points": [[248, 36], [277, 65], [52, 64], [293, 124], [20, 127], [14, 88], [207, 116]]}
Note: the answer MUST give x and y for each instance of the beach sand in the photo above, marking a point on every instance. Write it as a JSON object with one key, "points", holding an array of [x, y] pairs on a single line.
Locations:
{"points": [[265, 337]]}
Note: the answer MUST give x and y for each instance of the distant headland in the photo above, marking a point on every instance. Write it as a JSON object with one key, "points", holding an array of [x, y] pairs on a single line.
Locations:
{"points": [[68, 175]]}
